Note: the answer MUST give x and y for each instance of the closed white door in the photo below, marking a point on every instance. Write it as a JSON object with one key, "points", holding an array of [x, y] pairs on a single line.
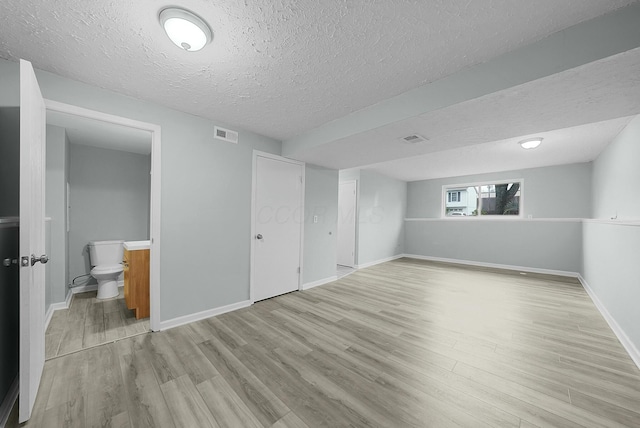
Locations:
{"points": [[277, 223], [347, 207], [32, 243]]}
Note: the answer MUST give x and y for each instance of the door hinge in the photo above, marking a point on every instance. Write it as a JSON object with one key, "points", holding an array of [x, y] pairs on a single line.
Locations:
{"points": [[298, 269]]}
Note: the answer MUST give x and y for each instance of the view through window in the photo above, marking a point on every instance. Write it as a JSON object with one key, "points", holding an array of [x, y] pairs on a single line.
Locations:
{"points": [[483, 199]]}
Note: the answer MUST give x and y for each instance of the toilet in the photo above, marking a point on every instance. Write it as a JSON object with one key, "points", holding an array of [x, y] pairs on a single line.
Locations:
{"points": [[106, 264]]}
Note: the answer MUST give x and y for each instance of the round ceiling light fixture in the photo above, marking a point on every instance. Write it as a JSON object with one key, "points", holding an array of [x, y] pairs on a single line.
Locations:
{"points": [[530, 143], [187, 30]]}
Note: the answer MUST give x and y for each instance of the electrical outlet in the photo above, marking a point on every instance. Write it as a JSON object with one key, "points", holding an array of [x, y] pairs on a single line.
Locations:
{"points": [[315, 218]]}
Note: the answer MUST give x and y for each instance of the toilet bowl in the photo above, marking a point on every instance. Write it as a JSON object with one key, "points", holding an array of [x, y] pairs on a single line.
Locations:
{"points": [[106, 262]]}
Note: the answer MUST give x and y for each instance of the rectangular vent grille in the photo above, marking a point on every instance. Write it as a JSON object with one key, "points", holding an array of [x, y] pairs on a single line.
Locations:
{"points": [[225, 135], [413, 139]]}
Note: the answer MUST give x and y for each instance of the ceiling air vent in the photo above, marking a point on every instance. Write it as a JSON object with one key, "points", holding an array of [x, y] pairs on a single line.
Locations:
{"points": [[413, 139], [225, 135]]}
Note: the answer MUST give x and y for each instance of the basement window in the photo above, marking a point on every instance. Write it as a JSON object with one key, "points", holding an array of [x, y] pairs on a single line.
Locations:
{"points": [[497, 198]]}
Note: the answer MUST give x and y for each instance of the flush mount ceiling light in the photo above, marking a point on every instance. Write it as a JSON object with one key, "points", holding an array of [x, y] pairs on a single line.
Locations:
{"points": [[187, 30], [530, 143]]}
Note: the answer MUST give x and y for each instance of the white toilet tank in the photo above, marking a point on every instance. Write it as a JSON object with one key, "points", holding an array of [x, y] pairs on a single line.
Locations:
{"points": [[105, 252]]}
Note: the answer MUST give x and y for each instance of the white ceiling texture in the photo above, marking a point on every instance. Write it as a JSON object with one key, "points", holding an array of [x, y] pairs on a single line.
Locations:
{"points": [[340, 82]]}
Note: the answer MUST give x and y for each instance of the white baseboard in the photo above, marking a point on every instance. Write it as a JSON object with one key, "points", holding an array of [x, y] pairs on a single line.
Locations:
{"points": [[84, 288], [628, 345], [377, 262], [175, 322], [55, 307], [9, 400], [323, 281], [48, 316], [91, 287], [495, 266]]}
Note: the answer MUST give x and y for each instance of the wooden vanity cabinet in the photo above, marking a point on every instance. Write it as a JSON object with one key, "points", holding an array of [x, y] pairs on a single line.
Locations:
{"points": [[136, 281]]}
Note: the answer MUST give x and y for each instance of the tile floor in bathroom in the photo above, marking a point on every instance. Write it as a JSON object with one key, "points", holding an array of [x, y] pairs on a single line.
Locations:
{"points": [[90, 322]]}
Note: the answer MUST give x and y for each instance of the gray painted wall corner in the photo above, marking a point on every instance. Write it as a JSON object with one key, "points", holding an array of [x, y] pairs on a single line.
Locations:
{"points": [[382, 210], [320, 239]]}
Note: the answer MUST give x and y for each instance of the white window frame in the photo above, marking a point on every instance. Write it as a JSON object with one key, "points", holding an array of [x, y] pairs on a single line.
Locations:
{"points": [[448, 187]]}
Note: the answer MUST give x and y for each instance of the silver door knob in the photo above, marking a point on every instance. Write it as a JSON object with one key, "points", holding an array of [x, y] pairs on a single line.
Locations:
{"points": [[42, 259], [258, 236], [9, 262]]}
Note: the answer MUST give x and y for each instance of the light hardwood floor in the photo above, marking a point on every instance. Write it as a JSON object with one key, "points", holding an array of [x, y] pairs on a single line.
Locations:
{"points": [[403, 344], [90, 322]]}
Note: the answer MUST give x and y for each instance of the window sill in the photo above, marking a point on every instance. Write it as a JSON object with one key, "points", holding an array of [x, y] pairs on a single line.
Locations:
{"points": [[615, 222], [505, 218]]}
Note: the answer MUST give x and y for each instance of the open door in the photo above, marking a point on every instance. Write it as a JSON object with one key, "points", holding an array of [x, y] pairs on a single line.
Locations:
{"points": [[32, 258], [347, 209]]}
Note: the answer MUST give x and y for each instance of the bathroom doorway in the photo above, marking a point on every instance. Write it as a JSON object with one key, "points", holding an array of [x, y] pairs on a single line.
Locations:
{"points": [[96, 136]]}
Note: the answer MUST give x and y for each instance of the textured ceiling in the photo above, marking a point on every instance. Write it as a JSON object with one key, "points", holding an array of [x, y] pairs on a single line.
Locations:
{"points": [[279, 68], [595, 92], [561, 146]]}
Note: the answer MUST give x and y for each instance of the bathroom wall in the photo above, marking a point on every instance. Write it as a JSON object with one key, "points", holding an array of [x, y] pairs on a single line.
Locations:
{"points": [[109, 199], [57, 173], [320, 239]]}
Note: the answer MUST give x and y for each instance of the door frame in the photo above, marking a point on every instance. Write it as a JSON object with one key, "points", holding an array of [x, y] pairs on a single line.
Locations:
{"points": [[356, 220], [155, 193], [254, 188]]}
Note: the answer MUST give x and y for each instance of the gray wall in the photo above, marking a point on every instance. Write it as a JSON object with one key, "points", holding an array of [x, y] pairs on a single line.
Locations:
{"points": [[206, 194], [611, 249], [320, 239], [554, 192], [109, 199], [616, 176], [381, 209], [550, 245], [9, 161], [57, 173], [551, 192]]}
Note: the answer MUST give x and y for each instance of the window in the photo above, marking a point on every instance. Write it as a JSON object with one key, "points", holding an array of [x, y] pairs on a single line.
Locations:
{"points": [[500, 198]]}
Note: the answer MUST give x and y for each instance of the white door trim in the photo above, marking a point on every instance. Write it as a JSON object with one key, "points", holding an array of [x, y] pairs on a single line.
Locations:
{"points": [[155, 130], [254, 187]]}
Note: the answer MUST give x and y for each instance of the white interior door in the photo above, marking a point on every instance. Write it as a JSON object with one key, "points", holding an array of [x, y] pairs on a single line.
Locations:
{"points": [[347, 223], [32, 242], [277, 224]]}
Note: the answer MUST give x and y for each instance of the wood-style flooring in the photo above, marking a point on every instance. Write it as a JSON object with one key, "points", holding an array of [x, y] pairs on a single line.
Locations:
{"points": [[404, 344], [90, 322]]}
